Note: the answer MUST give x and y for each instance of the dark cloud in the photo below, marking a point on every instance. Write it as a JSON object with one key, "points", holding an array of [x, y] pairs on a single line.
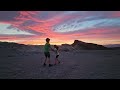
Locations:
{"points": [[8, 15], [29, 23], [35, 32], [18, 36], [48, 14]]}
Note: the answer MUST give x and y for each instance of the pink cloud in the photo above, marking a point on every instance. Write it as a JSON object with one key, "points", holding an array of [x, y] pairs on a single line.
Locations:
{"points": [[45, 27], [115, 14]]}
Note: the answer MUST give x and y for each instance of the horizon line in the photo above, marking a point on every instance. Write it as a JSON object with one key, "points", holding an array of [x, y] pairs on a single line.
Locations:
{"points": [[52, 44]]}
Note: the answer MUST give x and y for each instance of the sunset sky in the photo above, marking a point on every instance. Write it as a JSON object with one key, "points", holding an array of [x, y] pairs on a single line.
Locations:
{"points": [[33, 27]]}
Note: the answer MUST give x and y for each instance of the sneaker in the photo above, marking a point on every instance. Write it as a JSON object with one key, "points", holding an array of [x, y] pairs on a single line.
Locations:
{"points": [[59, 62], [50, 65], [44, 64]]}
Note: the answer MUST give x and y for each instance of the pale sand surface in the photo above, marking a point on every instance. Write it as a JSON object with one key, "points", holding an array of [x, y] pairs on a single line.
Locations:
{"points": [[85, 64]]}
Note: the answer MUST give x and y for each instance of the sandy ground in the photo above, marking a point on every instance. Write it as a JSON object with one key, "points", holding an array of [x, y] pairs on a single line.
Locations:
{"points": [[93, 64]]}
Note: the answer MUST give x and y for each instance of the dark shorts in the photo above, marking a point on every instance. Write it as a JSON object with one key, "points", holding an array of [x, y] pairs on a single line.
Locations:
{"points": [[47, 54], [57, 56]]}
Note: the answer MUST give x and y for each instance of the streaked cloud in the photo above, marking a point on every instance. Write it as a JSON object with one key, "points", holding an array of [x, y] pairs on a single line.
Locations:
{"points": [[6, 30], [60, 26]]}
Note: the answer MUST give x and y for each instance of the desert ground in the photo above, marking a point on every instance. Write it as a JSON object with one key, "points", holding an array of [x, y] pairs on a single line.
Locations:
{"points": [[83, 64]]}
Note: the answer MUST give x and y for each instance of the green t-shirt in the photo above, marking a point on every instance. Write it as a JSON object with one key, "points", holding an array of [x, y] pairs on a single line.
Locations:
{"points": [[47, 47]]}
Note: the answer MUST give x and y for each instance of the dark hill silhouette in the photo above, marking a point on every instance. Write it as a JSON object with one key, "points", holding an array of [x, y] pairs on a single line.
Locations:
{"points": [[87, 46], [80, 45], [77, 45]]}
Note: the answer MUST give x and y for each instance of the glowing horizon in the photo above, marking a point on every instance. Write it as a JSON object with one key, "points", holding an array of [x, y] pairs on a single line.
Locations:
{"points": [[62, 27]]}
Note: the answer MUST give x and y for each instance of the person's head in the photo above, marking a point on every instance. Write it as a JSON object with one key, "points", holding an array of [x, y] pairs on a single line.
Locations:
{"points": [[47, 40], [55, 46]]}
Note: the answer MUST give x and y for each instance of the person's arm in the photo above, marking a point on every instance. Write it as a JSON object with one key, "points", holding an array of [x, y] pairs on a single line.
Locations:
{"points": [[51, 48]]}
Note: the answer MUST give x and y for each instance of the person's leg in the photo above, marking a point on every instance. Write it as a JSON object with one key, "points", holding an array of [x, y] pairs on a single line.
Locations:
{"points": [[49, 62], [45, 59], [57, 58], [49, 59]]}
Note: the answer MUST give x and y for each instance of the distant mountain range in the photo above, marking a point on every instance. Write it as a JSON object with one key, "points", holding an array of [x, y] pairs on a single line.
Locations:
{"points": [[18, 47], [112, 45], [77, 45]]}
